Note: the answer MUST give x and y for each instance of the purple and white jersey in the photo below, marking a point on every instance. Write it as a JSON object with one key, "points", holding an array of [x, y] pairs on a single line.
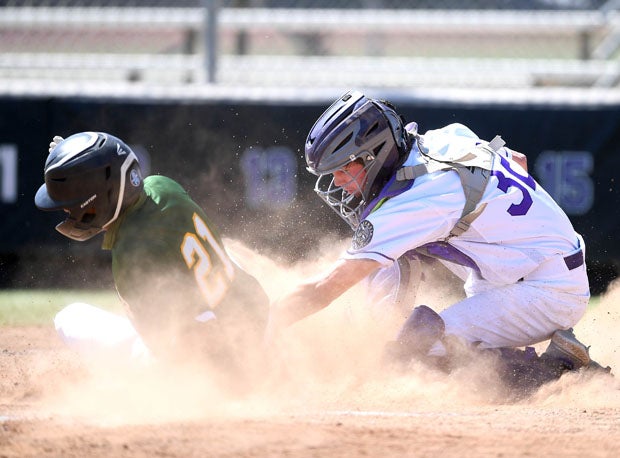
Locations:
{"points": [[520, 227]]}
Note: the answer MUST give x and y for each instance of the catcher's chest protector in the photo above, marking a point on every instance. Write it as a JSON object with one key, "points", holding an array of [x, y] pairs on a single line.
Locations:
{"points": [[474, 168]]}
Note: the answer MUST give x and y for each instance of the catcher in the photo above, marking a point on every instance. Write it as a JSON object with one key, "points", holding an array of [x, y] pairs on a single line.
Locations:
{"points": [[186, 299], [449, 196]]}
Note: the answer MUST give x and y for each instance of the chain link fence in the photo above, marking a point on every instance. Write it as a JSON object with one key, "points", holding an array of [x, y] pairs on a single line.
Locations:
{"points": [[311, 43]]}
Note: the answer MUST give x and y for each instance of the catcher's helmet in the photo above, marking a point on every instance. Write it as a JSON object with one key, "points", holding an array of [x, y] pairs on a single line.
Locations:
{"points": [[93, 176], [355, 128]]}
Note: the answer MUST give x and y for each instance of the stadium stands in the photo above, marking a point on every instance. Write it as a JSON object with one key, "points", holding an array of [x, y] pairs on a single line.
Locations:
{"points": [[310, 47]]}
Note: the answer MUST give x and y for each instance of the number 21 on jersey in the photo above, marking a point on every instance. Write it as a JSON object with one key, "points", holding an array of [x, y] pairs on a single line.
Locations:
{"points": [[213, 278]]}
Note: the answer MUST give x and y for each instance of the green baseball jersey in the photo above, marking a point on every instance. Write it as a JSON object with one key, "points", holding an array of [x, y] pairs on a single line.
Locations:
{"points": [[172, 272]]}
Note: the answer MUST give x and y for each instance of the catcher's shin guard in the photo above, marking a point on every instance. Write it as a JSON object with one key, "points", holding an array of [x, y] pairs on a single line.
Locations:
{"points": [[421, 331]]}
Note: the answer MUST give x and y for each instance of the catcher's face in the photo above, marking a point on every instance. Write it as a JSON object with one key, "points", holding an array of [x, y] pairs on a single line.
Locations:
{"points": [[351, 178]]}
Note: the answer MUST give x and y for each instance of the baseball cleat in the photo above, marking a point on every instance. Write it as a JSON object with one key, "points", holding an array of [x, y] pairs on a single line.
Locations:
{"points": [[565, 346]]}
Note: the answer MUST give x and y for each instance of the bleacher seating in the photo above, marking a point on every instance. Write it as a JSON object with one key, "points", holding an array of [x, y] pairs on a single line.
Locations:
{"points": [[594, 36]]}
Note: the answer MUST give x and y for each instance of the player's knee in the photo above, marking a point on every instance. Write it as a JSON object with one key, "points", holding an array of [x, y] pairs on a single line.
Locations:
{"points": [[422, 332], [422, 329], [95, 332], [84, 323], [69, 320]]}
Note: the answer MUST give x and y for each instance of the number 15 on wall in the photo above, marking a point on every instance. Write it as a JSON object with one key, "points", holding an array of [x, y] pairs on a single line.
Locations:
{"points": [[565, 175]]}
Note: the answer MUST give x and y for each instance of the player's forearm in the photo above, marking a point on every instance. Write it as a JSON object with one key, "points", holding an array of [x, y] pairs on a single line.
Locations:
{"points": [[316, 294], [305, 300]]}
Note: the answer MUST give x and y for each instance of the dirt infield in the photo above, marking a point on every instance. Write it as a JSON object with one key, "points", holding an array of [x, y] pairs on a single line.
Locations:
{"points": [[331, 401], [45, 411]]}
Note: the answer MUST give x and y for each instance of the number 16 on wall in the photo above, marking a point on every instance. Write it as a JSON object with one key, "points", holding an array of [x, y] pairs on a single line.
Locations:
{"points": [[8, 174]]}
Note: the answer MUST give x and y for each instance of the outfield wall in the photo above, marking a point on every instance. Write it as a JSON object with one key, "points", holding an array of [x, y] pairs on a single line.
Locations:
{"points": [[242, 160]]}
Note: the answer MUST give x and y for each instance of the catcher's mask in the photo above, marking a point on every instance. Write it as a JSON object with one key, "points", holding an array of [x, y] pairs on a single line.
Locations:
{"points": [[355, 128]]}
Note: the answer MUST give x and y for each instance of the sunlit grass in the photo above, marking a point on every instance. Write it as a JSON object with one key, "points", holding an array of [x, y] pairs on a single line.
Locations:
{"points": [[38, 306], [20, 307]]}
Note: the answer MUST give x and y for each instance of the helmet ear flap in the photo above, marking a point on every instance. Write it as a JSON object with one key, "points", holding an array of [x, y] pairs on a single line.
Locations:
{"points": [[397, 125], [87, 218], [133, 184]]}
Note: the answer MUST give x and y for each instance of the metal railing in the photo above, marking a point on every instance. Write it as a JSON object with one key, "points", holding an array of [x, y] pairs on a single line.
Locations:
{"points": [[588, 60]]}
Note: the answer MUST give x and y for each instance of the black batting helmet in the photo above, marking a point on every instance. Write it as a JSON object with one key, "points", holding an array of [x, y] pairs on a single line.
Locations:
{"points": [[93, 176]]}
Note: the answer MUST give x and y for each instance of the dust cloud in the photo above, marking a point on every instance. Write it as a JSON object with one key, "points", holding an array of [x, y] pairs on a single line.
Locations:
{"points": [[598, 329], [329, 362]]}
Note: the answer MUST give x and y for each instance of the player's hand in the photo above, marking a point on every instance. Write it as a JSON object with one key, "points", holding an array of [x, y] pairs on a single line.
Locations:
{"points": [[55, 141]]}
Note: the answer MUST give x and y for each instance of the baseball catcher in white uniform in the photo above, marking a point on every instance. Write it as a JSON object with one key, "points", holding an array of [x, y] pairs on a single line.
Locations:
{"points": [[446, 195]]}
